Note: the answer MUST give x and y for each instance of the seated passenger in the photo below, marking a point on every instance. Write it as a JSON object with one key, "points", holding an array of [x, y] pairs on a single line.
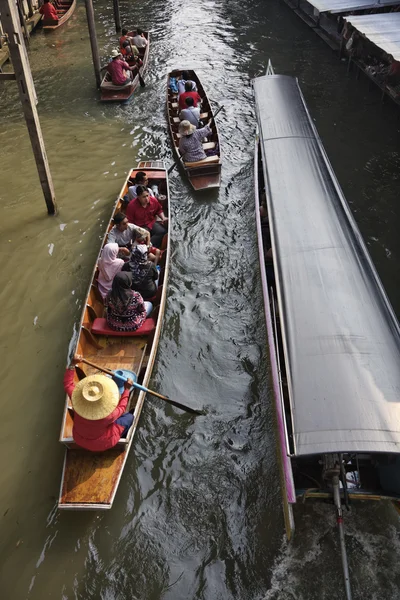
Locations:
{"points": [[124, 233], [126, 310], [191, 112], [190, 144], [129, 51], [125, 38], [147, 212], [109, 265], [182, 80], [144, 273], [154, 253], [140, 179], [118, 69], [188, 93], [139, 40], [99, 419], [48, 11]]}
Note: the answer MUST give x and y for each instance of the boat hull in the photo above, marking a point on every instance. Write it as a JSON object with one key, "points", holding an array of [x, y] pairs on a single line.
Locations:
{"points": [[112, 93], [206, 174], [90, 479]]}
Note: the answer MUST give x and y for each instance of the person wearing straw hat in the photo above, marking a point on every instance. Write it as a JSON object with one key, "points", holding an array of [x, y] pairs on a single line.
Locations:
{"points": [[118, 69], [99, 412], [191, 141]]}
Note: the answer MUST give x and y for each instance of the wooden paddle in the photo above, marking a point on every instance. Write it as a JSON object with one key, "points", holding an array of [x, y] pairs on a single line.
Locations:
{"points": [[144, 389]]}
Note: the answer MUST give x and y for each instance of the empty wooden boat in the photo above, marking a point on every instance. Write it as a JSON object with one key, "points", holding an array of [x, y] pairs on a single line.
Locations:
{"points": [[123, 93], [203, 174], [90, 479], [333, 336], [64, 11]]}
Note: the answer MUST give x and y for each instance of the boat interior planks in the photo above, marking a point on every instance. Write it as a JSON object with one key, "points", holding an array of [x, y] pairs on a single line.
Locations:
{"points": [[206, 173], [94, 471], [90, 480], [64, 11], [123, 93]]}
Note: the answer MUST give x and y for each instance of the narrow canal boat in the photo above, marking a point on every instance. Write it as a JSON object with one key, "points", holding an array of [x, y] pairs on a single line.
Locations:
{"points": [[334, 340], [123, 93], [90, 479], [203, 174], [64, 11]]}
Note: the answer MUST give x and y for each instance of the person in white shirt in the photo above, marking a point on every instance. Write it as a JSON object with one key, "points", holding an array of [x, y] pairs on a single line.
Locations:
{"points": [[190, 113], [124, 233], [181, 83], [140, 179], [139, 40]]}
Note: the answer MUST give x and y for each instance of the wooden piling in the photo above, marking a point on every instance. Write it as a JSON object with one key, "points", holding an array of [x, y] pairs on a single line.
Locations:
{"points": [[27, 94], [117, 15], [93, 40]]}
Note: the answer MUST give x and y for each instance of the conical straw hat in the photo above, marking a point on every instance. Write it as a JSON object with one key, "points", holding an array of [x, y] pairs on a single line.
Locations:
{"points": [[95, 397]]}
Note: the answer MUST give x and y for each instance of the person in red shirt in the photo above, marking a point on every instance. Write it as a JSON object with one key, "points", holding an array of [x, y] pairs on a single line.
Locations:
{"points": [[146, 211], [99, 419], [188, 93], [48, 11], [118, 68]]}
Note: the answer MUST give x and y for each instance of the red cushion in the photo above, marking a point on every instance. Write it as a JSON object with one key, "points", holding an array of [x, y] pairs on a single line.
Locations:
{"points": [[100, 327]]}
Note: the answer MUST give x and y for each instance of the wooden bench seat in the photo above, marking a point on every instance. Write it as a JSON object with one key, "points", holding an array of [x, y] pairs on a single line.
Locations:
{"points": [[208, 146], [200, 163]]}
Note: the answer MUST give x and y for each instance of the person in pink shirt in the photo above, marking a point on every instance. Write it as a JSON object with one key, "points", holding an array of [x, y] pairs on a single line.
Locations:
{"points": [[146, 211], [99, 411], [118, 69], [48, 11]]}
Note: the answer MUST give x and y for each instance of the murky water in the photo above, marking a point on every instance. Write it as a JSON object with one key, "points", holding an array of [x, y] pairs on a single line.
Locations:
{"points": [[198, 511]]}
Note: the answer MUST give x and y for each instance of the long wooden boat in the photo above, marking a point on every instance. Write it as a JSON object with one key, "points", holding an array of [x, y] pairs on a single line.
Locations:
{"points": [[123, 93], [64, 9], [206, 173], [334, 340], [90, 479]]}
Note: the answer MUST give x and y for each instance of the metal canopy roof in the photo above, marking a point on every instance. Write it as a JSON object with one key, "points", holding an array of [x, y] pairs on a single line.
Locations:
{"points": [[382, 30], [336, 6], [341, 338]]}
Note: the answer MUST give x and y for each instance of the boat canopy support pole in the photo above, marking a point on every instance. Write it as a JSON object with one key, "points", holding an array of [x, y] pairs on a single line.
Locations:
{"points": [[117, 15], [339, 520], [27, 95], [93, 40]]}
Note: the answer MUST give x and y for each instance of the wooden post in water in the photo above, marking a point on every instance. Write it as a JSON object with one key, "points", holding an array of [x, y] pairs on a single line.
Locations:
{"points": [[23, 76], [93, 40], [117, 15]]}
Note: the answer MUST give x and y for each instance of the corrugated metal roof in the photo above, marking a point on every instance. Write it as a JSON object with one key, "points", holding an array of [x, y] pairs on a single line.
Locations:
{"points": [[382, 30], [336, 6], [341, 337]]}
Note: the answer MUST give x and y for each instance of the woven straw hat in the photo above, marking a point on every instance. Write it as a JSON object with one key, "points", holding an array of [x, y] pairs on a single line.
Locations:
{"points": [[95, 397], [186, 127], [115, 53]]}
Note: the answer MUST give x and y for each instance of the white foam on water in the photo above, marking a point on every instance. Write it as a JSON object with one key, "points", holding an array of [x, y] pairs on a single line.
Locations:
{"points": [[35, 320], [51, 248], [63, 226], [113, 163]]}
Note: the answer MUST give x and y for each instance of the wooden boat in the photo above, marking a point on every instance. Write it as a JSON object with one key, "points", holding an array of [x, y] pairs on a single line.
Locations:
{"points": [[64, 9], [89, 479], [123, 93], [334, 340], [206, 173]]}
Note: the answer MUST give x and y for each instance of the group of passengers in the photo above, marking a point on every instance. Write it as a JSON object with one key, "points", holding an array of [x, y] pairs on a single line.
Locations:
{"points": [[128, 266], [191, 129], [126, 61]]}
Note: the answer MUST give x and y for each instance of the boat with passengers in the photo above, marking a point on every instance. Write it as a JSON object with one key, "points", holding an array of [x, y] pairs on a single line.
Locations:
{"points": [[206, 173], [334, 340], [90, 479]]}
